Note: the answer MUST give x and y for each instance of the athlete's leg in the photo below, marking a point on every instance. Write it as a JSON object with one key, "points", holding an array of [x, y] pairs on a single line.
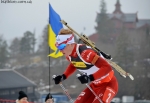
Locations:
{"points": [[85, 96], [106, 94]]}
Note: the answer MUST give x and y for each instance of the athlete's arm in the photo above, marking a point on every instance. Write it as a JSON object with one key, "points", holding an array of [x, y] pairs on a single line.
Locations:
{"points": [[69, 70], [91, 56]]}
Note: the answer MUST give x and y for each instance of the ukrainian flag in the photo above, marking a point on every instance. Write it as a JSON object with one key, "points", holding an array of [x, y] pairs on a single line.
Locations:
{"points": [[53, 29]]}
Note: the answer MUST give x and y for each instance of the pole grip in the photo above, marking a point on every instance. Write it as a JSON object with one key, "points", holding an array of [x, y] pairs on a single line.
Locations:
{"points": [[53, 76], [78, 75]]}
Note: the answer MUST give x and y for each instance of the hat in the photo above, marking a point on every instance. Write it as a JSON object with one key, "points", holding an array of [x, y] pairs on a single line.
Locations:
{"points": [[49, 96], [22, 95], [65, 36], [66, 39]]}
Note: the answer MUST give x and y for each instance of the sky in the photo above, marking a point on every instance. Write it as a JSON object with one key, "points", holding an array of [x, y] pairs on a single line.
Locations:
{"points": [[17, 18]]}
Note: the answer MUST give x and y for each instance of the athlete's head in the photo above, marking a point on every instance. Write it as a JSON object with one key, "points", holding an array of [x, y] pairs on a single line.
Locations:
{"points": [[65, 41]]}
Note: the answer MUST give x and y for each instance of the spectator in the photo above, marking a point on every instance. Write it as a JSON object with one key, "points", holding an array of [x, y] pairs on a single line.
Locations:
{"points": [[49, 98], [22, 98]]}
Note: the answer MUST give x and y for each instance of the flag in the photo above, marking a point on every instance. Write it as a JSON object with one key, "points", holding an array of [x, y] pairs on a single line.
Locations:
{"points": [[53, 29]]}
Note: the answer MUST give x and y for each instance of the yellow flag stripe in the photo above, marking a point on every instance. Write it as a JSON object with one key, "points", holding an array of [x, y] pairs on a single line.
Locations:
{"points": [[51, 43]]}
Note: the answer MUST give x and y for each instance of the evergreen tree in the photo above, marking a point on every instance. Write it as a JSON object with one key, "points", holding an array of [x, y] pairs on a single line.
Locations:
{"points": [[124, 58], [43, 46], [103, 23], [3, 52], [145, 43], [27, 43], [124, 52], [143, 64], [14, 47]]}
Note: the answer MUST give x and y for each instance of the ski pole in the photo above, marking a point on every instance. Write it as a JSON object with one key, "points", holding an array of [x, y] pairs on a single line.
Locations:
{"points": [[64, 89], [91, 90]]}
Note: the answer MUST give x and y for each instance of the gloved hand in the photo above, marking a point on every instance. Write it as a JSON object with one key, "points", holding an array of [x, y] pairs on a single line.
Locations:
{"points": [[85, 78], [59, 78]]}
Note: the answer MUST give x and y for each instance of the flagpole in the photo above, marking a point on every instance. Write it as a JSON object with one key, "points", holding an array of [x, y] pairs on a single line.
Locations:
{"points": [[49, 62], [48, 33]]}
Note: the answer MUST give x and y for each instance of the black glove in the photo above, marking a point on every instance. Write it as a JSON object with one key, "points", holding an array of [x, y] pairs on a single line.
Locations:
{"points": [[85, 78], [59, 78]]}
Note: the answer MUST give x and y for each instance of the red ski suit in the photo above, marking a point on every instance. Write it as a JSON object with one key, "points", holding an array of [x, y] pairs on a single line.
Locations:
{"points": [[105, 83]]}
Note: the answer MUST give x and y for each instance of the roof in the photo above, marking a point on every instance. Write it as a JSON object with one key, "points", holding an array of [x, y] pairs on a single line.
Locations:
{"points": [[12, 79], [127, 17], [94, 37], [116, 15], [142, 22], [130, 17]]}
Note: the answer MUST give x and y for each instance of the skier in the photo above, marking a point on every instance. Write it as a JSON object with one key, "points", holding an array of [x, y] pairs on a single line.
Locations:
{"points": [[93, 67]]}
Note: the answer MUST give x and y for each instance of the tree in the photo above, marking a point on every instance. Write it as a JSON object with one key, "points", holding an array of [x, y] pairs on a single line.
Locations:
{"points": [[103, 23], [145, 43], [124, 57], [43, 46], [14, 47], [3, 52], [27, 43], [124, 52], [143, 64]]}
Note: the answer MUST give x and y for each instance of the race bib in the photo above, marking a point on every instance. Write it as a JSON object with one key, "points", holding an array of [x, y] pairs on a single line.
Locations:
{"points": [[79, 64]]}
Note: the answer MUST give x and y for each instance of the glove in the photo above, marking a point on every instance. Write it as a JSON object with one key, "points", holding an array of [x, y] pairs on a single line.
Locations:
{"points": [[85, 78], [59, 78]]}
